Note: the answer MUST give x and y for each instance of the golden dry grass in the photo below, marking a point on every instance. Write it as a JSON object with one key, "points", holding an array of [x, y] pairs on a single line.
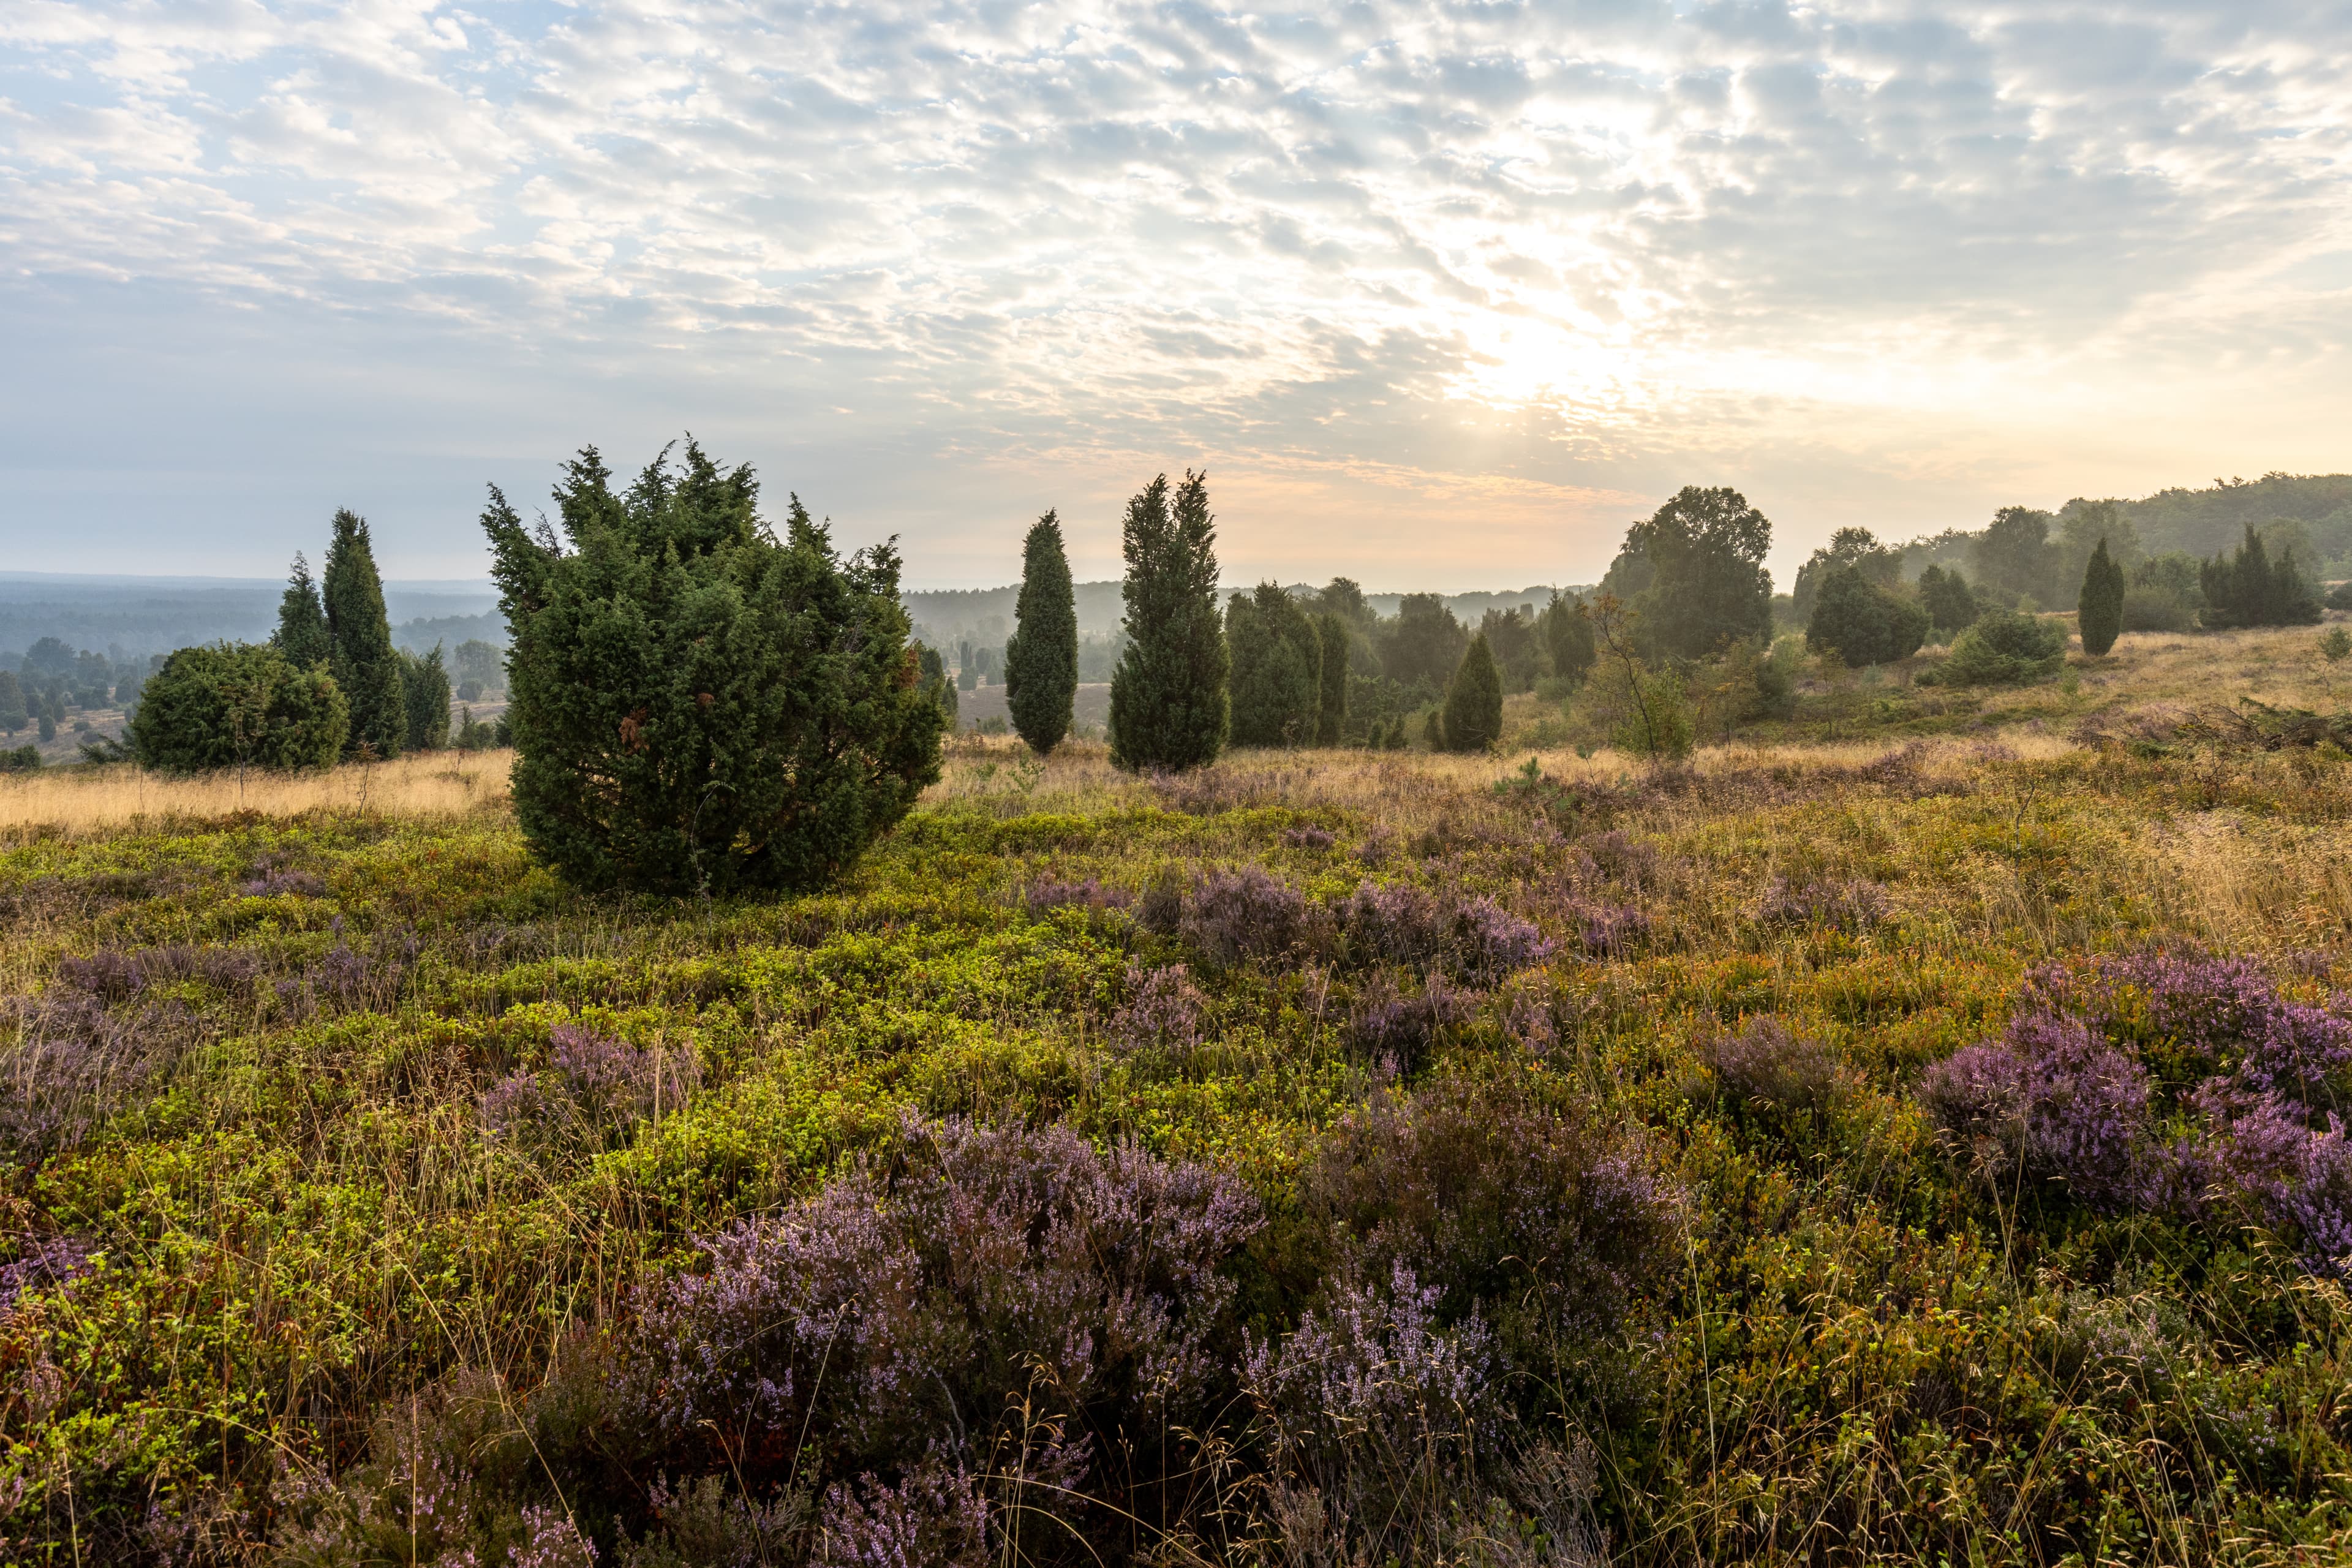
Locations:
{"points": [[83, 800]]}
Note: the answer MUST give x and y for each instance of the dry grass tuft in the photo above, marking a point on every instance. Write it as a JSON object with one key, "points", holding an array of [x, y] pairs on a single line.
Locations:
{"points": [[85, 799]]}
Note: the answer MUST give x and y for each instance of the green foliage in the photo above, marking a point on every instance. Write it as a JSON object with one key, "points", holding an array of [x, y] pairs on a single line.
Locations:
{"points": [[424, 686], [228, 705], [301, 635], [2335, 644], [1277, 669], [2165, 593], [1866, 623], [1654, 720], [1331, 705], [482, 663], [2015, 556], [1854, 549], [2246, 589], [935, 683], [2100, 607], [695, 703], [1474, 701], [1692, 573], [1424, 644], [361, 656], [2004, 648], [1568, 640], [14, 715], [1168, 705], [1950, 604], [1041, 659], [21, 760]]}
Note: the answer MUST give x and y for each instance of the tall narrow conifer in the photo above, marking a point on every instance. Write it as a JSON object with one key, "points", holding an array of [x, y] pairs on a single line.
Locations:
{"points": [[361, 656], [301, 634], [1168, 698], [2100, 608], [1331, 718], [1041, 659], [1474, 702]]}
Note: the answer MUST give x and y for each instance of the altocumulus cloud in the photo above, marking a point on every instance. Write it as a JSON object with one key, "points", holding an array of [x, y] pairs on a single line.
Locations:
{"points": [[1511, 270]]}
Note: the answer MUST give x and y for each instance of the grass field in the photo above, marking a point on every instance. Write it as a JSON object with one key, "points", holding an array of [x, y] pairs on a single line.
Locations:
{"points": [[1650, 1235]]}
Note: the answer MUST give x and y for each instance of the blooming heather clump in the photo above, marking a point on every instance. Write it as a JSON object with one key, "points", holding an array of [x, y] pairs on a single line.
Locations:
{"points": [[49, 1264], [1490, 943], [1826, 904], [2057, 1100], [1767, 1068], [1307, 837], [897, 1307], [1248, 913], [1540, 1222], [1607, 930], [1049, 893], [74, 1064], [549, 1539], [116, 977], [2068, 1093], [1371, 1396], [1475, 939], [935, 1519], [598, 1084], [1620, 859], [1163, 1010], [1397, 1026]]}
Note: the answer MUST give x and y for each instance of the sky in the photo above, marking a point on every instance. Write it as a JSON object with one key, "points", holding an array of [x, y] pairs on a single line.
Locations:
{"points": [[1441, 296]]}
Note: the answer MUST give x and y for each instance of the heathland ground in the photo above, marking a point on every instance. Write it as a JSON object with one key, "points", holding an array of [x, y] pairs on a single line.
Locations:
{"points": [[280, 1208]]}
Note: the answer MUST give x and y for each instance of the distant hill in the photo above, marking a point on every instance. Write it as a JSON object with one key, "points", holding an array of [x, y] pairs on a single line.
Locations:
{"points": [[128, 618], [2205, 522], [984, 615]]}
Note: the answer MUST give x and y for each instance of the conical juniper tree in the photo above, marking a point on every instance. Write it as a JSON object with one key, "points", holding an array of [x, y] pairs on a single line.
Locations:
{"points": [[301, 635], [424, 683], [1277, 669], [1168, 698], [2099, 610], [696, 704], [1474, 702], [359, 655], [1041, 657], [1331, 713]]}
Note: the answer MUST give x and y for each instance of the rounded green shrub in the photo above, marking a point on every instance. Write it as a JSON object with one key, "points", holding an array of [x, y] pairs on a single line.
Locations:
{"points": [[226, 705], [696, 703], [2004, 648], [1865, 623]]}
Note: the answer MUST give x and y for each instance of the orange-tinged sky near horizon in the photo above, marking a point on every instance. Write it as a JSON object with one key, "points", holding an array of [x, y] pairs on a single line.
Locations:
{"points": [[1441, 295]]}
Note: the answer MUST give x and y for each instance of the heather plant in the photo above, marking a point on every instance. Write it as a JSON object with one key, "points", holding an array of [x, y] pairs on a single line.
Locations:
{"points": [[1249, 913], [1771, 1070], [74, 1064], [599, 1086], [706, 1524], [2051, 1101], [1389, 1023], [1851, 906], [1604, 929], [1163, 1011], [936, 1518], [894, 1311], [1307, 837], [1475, 939], [1379, 1409], [1545, 1224], [1048, 893]]}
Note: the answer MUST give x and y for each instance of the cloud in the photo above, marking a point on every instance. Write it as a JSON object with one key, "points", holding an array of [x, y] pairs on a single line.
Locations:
{"points": [[1523, 267]]}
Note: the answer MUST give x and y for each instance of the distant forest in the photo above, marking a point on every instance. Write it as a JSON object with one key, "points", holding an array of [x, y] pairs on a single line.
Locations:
{"points": [[129, 619]]}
